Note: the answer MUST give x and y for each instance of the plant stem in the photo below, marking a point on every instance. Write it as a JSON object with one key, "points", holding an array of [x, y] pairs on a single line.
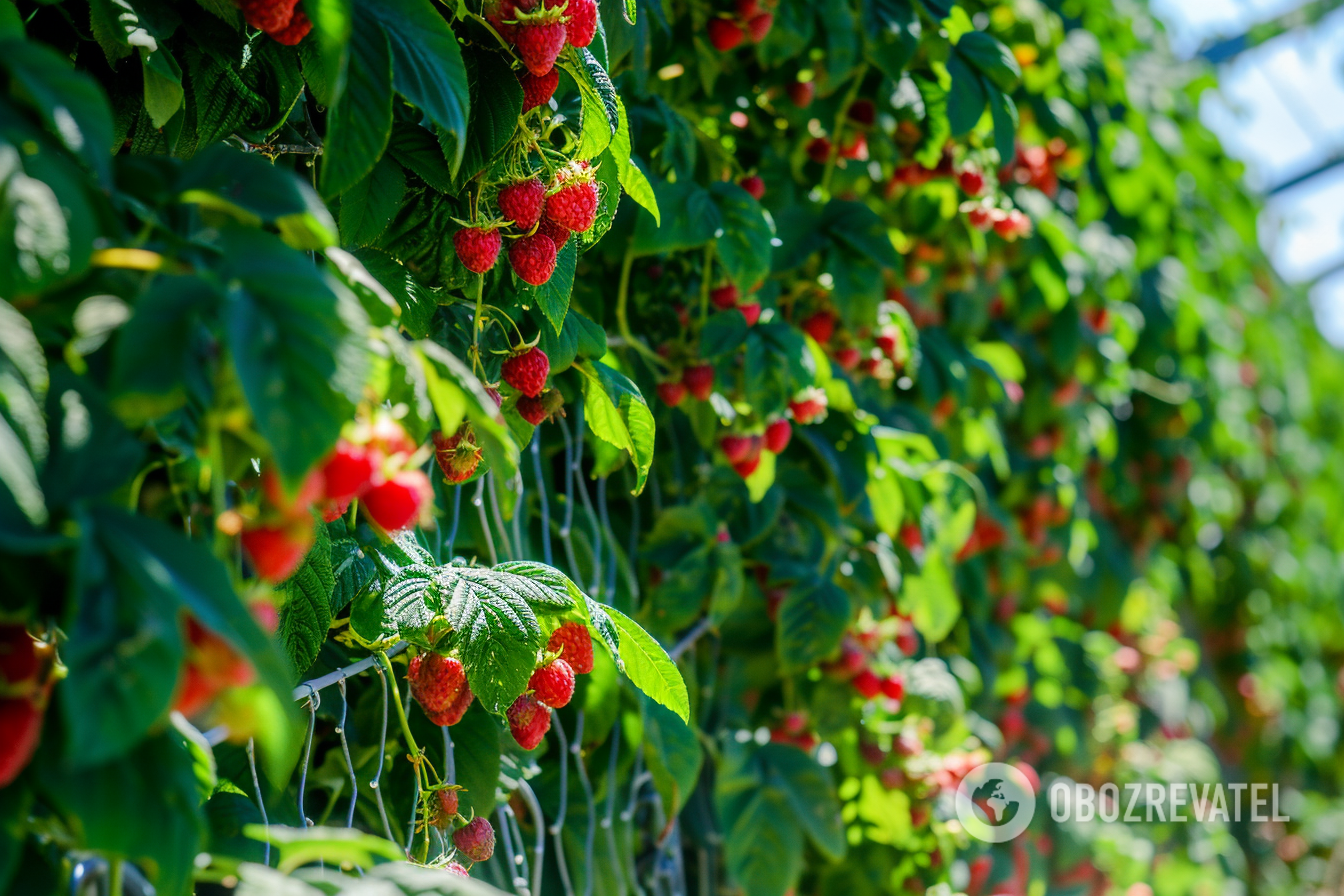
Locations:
{"points": [[622, 320], [476, 324], [115, 874], [839, 123], [216, 448], [401, 713], [704, 282]]}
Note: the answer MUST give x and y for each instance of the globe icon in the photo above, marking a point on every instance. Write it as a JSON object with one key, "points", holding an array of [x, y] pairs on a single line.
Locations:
{"points": [[995, 802], [992, 801]]}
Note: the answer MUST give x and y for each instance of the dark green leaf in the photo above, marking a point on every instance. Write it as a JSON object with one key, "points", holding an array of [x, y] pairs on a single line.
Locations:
{"points": [[764, 848], [994, 60], [305, 616], [552, 297], [672, 753], [744, 243], [495, 632], [360, 124], [419, 150], [496, 103], [811, 624], [966, 101], [368, 207]]}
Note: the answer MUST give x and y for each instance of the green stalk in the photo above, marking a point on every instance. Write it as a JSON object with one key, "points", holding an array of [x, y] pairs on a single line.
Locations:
{"points": [[622, 319], [840, 123]]}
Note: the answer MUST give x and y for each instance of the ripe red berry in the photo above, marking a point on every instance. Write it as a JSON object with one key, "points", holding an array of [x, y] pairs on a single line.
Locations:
{"points": [[526, 371], [582, 23], [888, 340], [539, 44], [747, 8], [573, 205], [981, 218], [267, 15], [848, 357], [801, 93], [753, 184], [395, 503], [747, 467], [276, 551], [538, 89], [446, 809], [523, 202], [809, 405], [533, 258], [820, 326], [20, 730], [724, 34], [574, 645], [477, 247], [971, 181], [553, 683], [856, 148], [295, 31], [436, 680], [862, 111], [724, 296], [18, 658], [309, 493], [453, 713], [758, 26], [699, 380], [819, 149], [751, 311], [867, 684], [735, 448], [672, 394], [777, 436], [893, 686], [458, 455], [347, 471], [529, 720], [475, 839], [558, 233]]}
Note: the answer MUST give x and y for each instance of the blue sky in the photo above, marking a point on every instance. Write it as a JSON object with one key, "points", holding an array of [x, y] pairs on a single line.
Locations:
{"points": [[1280, 108]]}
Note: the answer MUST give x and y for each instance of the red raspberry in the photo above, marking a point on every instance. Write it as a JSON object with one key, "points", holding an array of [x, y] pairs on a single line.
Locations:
{"points": [[809, 405], [751, 311], [538, 89], [758, 26], [753, 184], [475, 839], [856, 148], [672, 394], [523, 202], [724, 296], [446, 810], [18, 658], [437, 681], [848, 357], [748, 466], [777, 436], [971, 181], [458, 455], [531, 409], [276, 551], [454, 712], [746, 9], [295, 31], [20, 731], [267, 15], [893, 686], [981, 218], [533, 258], [347, 472], [819, 149], [887, 341], [477, 247], [539, 44], [724, 34], [867, 683], [820, 326], [553, 683], [503, 13], [529, 721], [389, 436], [735, 448], [699, 380], [574, 645], [558, 233], [801, 93], [309, 493], [582, 23], [395, 503], [574, 204], [862, 112], [527, 370]]}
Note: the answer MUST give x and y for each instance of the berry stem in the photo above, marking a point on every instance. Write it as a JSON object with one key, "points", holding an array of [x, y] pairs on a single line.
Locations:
{"points": [[622, 318], [476, 325], [416, 753], [840, 116]]}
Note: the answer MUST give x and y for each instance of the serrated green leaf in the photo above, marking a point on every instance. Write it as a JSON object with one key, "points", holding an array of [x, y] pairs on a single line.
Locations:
{"points": [[811, 623], [305, 616], [495, 631], [618, 414], [600, 621], [648, 665], [552, 297], [673, 754], [353, 571], [360, 124], [601, 115], [496, 103], [408, 597], [633, 179], [764, 848], [743, 246], [419, 151], [369, 206], [546, 588], [810, 793]]}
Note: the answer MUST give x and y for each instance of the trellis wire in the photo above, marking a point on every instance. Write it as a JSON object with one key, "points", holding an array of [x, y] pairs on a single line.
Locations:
{"points": [[415, 800], [313, 702], [504, 539], [539, 820], [577, 749], [559, 824], [542, 502], [610, 813], [261, 803], [382, 750], [479, 502], [610, 590], [568, 523], [345, 751], [449, 761], [513, 860], [518, 515]]}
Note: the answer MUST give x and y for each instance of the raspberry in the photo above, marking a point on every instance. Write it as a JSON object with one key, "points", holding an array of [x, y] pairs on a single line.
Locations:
{"points": [[295, 31], [971, 181], [699, 380], [758, 26], [347, 471], [268, 15], [724, 296], [724, 34], [862, 112], [753, 184], [445, 808], [458, 455], [310, 492], [582, 23], [574, 645], [746, 9], [437, 681], [867, 684], [887, 341], [395, 503], [820, 326], [893, 686], [735, 448], [533, 258], [856, 148], [672, 394], [526, 371], [801, 93], [777, 436], [454, 868], [538, 89], [848, 357], [748, 466], [18, 659], [20, 730], [539, 44], [276, 551], [388, 436], [553, 684], [523, 202], [751, 311], [477, 247], [819, 149], [536, 410], [574, 204], [981, 218], [211, 666], [558, 233], [809, 405], [475, 839], [454, 712], [529, 721]]}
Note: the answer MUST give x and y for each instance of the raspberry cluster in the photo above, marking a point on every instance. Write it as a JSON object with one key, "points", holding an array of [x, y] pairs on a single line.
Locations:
{"points": [[282, 20], [569, 651], [749, 19], [28, 669]]}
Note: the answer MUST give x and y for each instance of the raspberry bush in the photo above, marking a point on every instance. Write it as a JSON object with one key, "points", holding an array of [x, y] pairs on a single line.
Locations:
{"points": [[624, 447]]}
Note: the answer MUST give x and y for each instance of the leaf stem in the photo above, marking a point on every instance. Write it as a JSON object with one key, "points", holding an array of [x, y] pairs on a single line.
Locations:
{"points": [[840, 123], [476, 325], [115, 874], [622, 319]]}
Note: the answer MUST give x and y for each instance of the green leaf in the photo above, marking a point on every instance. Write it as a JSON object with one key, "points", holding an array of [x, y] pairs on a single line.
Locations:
{"points": [[352, 570], [743, 246], [601, 114], [1004, 112], [893, 30], [632, 178], [152, 358], [417, 304], [724, 333], [476, 757], [360, 124], [966, 101], [305, 615], [409, 601], [23, 429], [811, 623], [420, 151], [673, 754], [810, 792], [600, 621], [452, 385], [992, 58], [71, 105], [694, 218], [617, 414], [764, 848], [931, 599], [496, 103], [554, 591], [333, 22], [552, 297], [163, 85], [295, 334], [858, 228], [649, 667], [495, 632], [369, 206], [427, 65]]}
